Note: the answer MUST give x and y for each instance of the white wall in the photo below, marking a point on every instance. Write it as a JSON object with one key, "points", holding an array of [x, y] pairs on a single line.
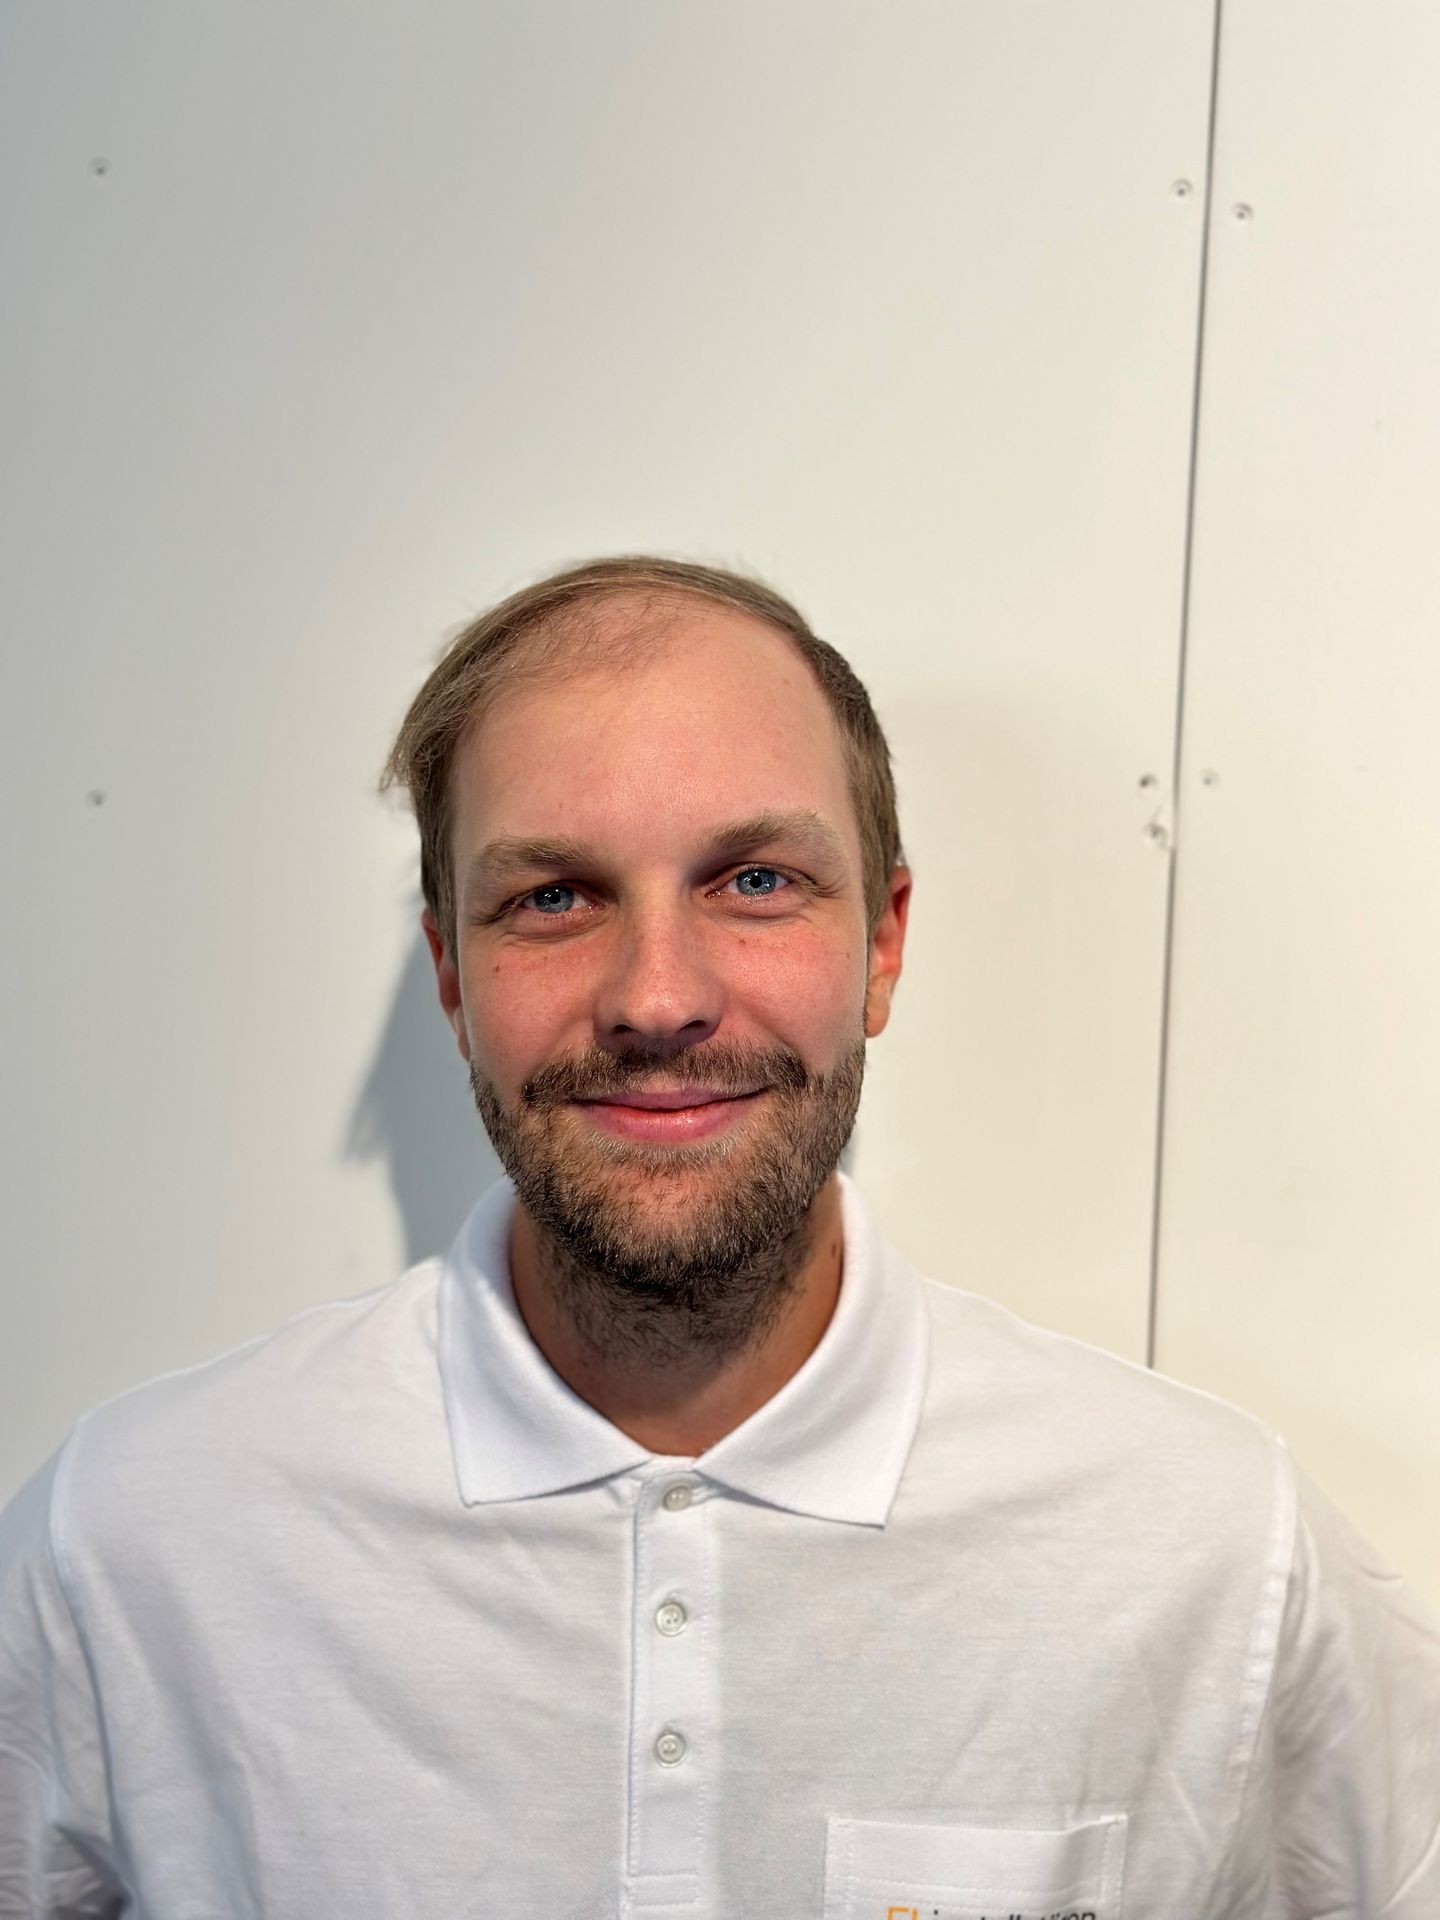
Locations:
{"points": [[372, 312], [1300, 1208]]}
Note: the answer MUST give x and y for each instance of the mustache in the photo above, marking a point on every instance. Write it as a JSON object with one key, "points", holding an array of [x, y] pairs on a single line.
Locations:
{"points": [[598, 1075]]}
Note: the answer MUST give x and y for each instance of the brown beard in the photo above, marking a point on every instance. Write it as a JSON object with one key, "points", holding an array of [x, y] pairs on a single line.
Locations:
{"points": [[648, 1270]]}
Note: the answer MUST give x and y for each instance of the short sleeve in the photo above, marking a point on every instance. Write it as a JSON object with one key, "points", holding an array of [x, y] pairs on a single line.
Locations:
{"points": [[55, 1842], [1341, 1812]]}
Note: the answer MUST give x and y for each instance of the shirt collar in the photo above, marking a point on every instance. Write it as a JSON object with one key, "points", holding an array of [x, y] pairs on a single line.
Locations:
{"points": [[831, 1443]]}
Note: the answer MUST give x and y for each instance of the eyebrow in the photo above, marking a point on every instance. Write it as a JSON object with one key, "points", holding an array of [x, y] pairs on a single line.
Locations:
{"points": [[799, 828], [504, 859]]}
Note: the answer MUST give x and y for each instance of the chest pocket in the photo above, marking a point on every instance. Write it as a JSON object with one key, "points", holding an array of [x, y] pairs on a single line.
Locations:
{"points": [[876, 1870]]}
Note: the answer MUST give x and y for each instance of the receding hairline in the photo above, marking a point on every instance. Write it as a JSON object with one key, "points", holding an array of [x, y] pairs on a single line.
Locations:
{"points": [[620, 625], [605, 613], [591, 646]]}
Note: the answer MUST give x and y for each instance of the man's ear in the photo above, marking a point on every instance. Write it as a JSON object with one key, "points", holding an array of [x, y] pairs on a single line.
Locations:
{"points": [[887, 950], [447, 980]]}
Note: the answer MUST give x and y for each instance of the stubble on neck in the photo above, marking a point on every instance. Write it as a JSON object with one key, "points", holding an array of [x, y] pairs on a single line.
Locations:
{"points": [[679, 1374], [693, 1320]]}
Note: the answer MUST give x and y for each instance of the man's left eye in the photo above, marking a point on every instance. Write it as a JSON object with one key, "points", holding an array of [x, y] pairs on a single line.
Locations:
{"points": [[755, 883], [552, 900]]}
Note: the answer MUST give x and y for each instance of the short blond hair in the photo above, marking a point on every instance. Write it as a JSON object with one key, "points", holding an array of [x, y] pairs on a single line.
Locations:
{"points": [[487, 654]]}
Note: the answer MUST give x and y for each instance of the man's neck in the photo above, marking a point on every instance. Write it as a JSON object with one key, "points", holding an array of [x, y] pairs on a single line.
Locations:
{"points": [[682, 1406]]}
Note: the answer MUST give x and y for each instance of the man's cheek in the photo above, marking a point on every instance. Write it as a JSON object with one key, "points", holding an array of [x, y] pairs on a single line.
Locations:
{"points": [[519, 1014], [814, 1012], [821, 980]]}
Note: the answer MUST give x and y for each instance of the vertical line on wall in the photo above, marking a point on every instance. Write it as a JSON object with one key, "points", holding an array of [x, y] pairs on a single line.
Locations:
{"points": [[1156, 1189]]}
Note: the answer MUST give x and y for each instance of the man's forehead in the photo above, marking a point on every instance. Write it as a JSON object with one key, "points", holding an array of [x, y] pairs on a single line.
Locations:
{"points": [[726, 722]]}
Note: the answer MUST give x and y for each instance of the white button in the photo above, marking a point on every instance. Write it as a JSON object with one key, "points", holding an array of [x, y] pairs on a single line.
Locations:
{"points": [[678, 1497], [671, 1617], [670, 1748]]}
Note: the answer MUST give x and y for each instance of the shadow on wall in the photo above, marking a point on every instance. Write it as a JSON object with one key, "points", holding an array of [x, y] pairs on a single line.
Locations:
{"points": [[417, 1114]]}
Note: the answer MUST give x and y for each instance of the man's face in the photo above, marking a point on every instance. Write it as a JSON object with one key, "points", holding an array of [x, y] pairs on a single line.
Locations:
{"points": [[662, 980]]}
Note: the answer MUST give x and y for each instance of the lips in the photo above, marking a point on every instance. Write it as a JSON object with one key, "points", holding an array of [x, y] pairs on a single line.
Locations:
{"points": [[672, 1116], [667, 1100]]}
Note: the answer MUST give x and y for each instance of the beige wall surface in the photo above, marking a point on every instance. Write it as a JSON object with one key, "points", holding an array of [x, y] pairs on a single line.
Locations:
{"points": [[1300, 1208], [334, 323]]}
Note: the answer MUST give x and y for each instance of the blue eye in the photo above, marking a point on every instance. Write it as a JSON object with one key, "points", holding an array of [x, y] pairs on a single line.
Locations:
{"points": [[551, 900], [755, 883]]}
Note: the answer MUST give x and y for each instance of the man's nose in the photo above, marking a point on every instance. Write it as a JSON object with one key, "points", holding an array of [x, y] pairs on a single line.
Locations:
{"points": [[661, 988]]}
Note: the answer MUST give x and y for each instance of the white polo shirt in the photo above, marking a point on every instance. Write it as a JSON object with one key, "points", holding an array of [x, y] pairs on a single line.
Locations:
{"points": [[374, 1617]]}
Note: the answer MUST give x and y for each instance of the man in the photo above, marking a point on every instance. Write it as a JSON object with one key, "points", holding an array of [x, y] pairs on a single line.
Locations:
{"points": [[671, 1549]]}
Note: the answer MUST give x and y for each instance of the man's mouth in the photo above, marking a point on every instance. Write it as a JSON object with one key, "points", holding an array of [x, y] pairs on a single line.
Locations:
{"points": [[667, 1099], [668, 1115]]}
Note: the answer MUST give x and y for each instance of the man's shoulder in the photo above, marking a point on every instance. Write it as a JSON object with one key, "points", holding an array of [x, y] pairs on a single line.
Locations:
{"points": [[251, 1420], [1061, 1411]]}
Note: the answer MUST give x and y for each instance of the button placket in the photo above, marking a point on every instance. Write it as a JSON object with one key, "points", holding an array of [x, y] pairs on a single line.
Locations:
{"points": [[672, 1753]]}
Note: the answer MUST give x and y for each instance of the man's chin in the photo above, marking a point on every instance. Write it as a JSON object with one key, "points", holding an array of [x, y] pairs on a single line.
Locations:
{"points": [[646, 1193], [658, 1203], [664, 1232]]}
